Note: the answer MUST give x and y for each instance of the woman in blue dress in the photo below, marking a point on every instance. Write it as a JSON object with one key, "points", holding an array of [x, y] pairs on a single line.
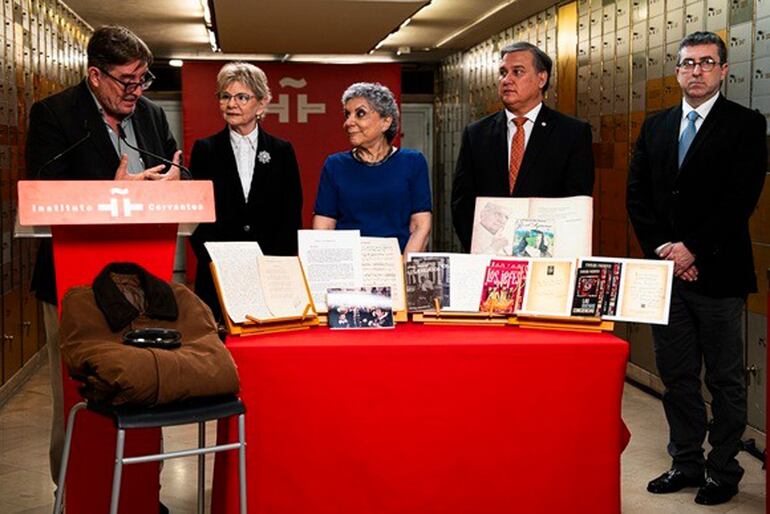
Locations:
{"points": [[377, 188]]}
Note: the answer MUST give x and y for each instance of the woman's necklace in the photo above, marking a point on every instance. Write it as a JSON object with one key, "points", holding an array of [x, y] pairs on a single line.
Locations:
{"points": [[358, 155]]}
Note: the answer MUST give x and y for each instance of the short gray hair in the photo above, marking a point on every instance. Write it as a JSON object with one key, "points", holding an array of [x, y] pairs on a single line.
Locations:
{"points": [[249, 75], [380, 98], [703, 38], [542, 61]]}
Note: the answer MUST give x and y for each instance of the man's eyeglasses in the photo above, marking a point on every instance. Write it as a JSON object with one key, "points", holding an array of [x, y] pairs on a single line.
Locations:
{"points": [[240, 98], [707, 64], [130, 87]]}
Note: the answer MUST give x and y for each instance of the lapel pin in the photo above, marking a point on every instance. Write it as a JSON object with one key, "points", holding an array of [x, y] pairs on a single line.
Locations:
{"points": [[543, 124]]}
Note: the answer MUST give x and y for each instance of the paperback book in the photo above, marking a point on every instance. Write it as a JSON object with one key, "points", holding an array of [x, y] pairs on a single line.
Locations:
{"points": [[427, 280], [504, 285]]}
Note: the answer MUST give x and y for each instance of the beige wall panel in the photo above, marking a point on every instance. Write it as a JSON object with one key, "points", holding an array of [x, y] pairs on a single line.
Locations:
{"points": [[621, 100], [761, 36], [622, 14], [716, 15]]}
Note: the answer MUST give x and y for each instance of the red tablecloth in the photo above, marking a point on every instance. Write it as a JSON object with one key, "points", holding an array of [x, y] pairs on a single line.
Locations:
{"points": [[423, 419]]}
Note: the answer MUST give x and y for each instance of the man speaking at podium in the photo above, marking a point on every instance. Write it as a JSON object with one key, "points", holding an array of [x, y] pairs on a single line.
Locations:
{"points": [[101, 129]]}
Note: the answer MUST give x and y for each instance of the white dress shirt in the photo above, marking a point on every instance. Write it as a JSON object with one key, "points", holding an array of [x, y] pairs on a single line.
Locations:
{"points": [[703, 110], [528, 126], [245, 151]]}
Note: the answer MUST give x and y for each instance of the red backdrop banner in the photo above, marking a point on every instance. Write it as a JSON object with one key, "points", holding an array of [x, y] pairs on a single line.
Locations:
{"points": [[305, 109]]}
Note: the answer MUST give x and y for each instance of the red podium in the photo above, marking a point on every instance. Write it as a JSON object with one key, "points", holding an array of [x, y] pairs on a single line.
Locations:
{"points": [[94, 223]]}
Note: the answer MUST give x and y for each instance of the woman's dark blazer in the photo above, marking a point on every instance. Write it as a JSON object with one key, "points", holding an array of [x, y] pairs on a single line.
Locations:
{"points": [[271, 216]]}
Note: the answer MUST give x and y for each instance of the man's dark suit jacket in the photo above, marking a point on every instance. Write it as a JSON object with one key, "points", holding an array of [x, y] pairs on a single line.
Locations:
{"points": [[272, 215], [60, 121], [707, 204], [558, 161]]}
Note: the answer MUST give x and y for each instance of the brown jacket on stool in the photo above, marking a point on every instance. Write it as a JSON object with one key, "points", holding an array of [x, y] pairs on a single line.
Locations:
{"points": [[94, 320]]}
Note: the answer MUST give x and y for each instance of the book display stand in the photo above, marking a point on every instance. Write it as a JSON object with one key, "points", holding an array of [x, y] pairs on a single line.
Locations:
{"points": [[255, 325], [575, 323], [439, 317]]}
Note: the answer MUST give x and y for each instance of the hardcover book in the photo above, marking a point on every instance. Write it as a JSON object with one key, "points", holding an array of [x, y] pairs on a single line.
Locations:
{"points": [[496, 221]]}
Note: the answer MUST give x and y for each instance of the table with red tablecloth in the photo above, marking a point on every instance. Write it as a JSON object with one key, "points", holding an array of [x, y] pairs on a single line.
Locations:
{"points": [[428, 419]]}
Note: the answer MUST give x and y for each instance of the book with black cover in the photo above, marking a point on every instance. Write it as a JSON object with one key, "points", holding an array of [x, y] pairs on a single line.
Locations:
{"points": [[589, 292], [427, 279]]}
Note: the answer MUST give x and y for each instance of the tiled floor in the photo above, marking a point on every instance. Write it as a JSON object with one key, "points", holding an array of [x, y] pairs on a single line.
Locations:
{"points": [[25, 486]]}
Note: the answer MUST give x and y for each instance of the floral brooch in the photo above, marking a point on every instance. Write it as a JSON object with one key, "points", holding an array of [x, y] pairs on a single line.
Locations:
{"points": [[263, 157]]}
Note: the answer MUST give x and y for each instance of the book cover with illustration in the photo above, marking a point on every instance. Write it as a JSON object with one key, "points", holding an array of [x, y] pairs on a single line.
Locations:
{"points": [[504, 285], [533, 238]]}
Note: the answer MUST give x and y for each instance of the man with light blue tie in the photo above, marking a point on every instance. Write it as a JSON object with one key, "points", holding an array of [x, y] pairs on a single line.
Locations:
{"points": [[693, 182]]}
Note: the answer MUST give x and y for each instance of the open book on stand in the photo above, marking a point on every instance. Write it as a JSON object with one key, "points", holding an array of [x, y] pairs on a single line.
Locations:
{"points": [[533, 227], [260, 293]]}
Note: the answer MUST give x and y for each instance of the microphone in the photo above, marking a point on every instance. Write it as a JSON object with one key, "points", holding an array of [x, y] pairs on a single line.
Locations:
{"points": [[66, 150], [185, 169]]}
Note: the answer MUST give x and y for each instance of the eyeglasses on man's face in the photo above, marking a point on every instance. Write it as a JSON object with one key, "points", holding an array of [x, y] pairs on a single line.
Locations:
{"points": [[130, 87], [240, 98], [706, 64]]}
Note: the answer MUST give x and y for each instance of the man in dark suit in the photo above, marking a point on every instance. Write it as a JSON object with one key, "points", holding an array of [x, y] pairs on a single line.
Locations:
{"points": [[78, 134], [524, 150], [694, 180]]}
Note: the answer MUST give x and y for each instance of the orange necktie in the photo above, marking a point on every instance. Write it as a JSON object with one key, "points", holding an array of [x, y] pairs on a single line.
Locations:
{"points": [[517, 152]]}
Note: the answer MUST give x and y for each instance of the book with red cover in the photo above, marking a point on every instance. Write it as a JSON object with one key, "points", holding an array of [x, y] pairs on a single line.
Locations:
{"points": [[504, 284]]}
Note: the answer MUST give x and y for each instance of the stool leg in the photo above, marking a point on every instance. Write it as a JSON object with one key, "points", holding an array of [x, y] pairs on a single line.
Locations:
{"points": [[242, 461], [201, 467], [119, 446], [66, 456]]}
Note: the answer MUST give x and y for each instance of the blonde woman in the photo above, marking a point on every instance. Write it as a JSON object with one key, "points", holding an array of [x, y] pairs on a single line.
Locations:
{"points": [[256, 177]]}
